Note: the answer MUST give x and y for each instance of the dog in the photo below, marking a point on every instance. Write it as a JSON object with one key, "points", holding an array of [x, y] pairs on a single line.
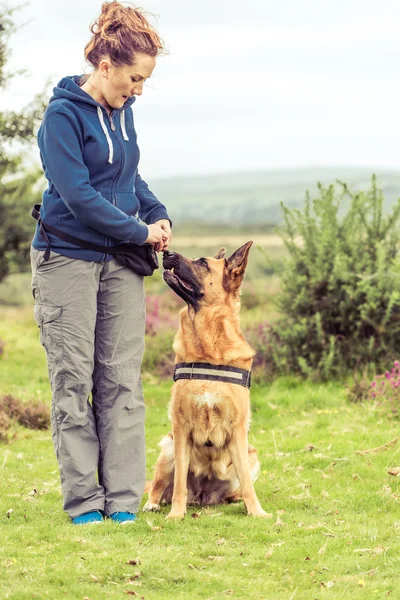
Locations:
{"points": [[207, 459]]}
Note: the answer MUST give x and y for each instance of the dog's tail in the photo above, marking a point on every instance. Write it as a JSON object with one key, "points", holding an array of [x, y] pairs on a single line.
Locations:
{"points": [[147, 486]]}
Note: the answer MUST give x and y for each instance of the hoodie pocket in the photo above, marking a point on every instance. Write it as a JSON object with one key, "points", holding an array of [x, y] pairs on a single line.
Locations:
{"points": [[128, 203], [49, 321]]}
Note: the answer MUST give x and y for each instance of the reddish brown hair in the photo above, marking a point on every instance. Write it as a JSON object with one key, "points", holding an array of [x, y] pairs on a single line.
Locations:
{"points": [[119, 33]]}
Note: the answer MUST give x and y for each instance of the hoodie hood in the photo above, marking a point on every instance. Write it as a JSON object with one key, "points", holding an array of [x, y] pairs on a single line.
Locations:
{"points": [[68, 88]]}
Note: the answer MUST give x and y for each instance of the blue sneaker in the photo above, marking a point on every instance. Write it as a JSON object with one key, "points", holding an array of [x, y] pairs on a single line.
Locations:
{"points": [[94, 516], [123, 517]]}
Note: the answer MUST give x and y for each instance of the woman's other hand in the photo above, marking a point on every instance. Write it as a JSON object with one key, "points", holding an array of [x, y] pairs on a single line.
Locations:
{"points": [[157, 237], [166, 227]]}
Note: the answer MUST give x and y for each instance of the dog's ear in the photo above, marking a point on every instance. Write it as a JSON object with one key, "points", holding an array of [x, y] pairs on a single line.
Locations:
{"points": [[235, 266], [220, 253]]}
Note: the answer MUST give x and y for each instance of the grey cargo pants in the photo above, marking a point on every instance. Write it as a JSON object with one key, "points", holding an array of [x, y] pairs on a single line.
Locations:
{"points": [[92, 317]]}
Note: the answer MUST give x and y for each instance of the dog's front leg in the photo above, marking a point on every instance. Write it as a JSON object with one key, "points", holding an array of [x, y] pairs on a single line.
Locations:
{"points": [[182, 451], [238, 449], [163, 476]]}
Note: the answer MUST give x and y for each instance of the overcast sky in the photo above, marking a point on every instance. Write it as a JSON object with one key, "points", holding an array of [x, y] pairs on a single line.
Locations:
{"points": [[256, 84]]}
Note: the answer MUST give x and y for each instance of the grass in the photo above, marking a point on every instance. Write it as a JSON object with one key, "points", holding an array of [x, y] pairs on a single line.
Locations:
{"points": [[334, 530]]}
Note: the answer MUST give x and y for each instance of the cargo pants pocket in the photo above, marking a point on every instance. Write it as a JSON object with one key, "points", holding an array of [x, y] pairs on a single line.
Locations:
{"points": [[49, 320]]}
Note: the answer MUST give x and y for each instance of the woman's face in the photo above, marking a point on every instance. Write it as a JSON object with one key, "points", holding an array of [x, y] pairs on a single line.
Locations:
{"points": [[119, 83]]}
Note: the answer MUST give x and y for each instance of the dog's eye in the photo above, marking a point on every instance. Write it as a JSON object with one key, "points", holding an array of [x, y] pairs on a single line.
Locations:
{"points": [[203, 262]]}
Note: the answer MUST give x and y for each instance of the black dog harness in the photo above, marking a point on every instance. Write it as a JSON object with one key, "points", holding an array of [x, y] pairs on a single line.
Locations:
{"points": [[212, 373]]}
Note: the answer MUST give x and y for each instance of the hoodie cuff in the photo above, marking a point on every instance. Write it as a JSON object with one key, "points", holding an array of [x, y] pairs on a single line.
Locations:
{"points": [[157, 215], [141, 234]]}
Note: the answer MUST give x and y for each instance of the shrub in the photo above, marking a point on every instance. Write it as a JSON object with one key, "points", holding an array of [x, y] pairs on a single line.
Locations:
{"points": [[386, 388], [32, 415], [158, 314], [340, 288], [158, 356], [259, 337]]}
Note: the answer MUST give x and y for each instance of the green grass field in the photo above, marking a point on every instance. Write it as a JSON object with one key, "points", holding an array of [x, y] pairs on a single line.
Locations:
{"points": [[334, 530]]}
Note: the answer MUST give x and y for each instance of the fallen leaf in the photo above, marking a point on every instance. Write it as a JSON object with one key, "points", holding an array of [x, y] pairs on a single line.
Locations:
{"points": [[356, 476], [269, 553], [302, 496], [9, 512], [321, 551], [310, 447], [131, 593], [220, 541], [395, 471], [152, 527], [278, 544], [215, 557], [192, 567], [330, 584], [279, 522], [134, 562], [196, 515], [94, 578]]}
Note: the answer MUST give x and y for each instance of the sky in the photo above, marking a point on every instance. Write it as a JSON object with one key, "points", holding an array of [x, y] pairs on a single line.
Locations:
{"points": [[247, 85]]}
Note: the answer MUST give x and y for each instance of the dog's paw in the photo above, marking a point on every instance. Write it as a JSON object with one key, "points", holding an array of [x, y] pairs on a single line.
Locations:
{"points": [[260, 513], [176, 515], [149, 507]]}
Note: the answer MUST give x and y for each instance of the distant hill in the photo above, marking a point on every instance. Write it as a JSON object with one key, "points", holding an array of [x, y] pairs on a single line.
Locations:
{"points": [[251, 198]]}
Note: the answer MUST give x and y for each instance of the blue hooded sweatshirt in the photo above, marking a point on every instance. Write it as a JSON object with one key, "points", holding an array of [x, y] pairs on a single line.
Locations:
{"points": [[90, 159]]}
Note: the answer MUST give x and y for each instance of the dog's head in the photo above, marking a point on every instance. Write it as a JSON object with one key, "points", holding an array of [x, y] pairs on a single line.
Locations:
{"points": [[205, 281]]}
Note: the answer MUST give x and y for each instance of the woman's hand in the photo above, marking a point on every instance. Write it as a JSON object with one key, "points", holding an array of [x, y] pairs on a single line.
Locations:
{"points": [[157, 237], [166, 227]]}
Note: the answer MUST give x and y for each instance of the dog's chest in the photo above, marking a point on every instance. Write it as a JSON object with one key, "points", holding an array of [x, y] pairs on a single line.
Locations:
{"points": [[206, 399]]}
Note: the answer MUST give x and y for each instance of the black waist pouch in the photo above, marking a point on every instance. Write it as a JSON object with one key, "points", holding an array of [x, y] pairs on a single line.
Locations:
{"points": [[141, 259]]}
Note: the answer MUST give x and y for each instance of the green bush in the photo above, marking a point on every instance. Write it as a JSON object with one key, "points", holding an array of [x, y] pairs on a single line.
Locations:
{"points": [[340, 293]]}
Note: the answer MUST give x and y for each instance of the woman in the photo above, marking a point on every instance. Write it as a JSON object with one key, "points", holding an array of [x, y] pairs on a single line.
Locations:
{"points": [[90, 308]]}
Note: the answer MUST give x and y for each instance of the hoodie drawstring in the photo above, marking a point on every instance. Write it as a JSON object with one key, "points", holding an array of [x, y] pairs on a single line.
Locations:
{"points": [[123, 129], [104, 128]]}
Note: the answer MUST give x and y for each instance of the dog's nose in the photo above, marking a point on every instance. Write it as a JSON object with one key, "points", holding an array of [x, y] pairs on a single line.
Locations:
{"points": [[168, 253]]}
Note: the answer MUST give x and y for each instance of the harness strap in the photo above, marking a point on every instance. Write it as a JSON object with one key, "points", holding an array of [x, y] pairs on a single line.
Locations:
{"points": [[212, 373]]}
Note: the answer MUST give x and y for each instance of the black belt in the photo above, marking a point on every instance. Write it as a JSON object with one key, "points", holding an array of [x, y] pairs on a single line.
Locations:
{"points": [[212, 373], [66, 237]]}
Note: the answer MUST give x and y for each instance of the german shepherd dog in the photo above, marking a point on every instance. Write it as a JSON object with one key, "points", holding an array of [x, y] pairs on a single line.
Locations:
{"points": [[206, 459]]}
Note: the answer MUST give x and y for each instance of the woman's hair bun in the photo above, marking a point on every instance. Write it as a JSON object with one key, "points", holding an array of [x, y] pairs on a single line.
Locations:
{"points": [[120, 32]]}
